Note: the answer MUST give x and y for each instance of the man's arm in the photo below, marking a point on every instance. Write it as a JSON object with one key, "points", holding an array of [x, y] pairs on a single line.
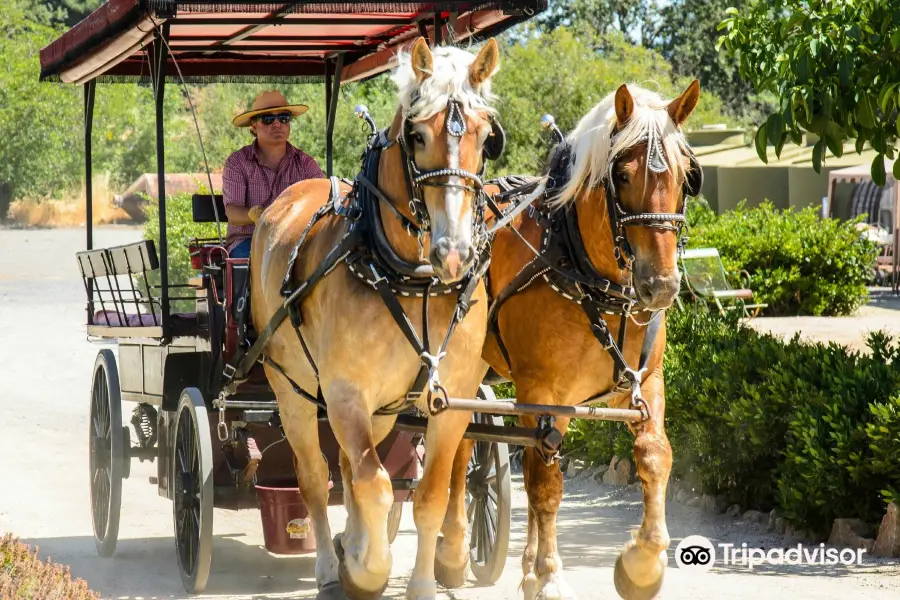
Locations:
{"points": [[234, 193]]}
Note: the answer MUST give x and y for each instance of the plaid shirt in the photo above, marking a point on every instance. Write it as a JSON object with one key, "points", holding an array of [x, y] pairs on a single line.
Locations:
{"points": [[246, 182]]}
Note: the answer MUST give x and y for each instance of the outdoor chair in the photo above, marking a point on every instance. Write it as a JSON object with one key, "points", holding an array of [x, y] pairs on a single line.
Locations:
{"points": [[704, 280]]}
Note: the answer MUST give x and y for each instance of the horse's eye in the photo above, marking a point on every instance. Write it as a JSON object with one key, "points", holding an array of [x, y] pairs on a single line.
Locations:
{"points": [[417, 138], [622, 177]]}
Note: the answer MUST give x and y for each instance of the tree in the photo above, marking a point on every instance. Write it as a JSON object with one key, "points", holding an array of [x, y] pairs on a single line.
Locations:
{"points": [[634, 19], [834, 67], [687, 39]]}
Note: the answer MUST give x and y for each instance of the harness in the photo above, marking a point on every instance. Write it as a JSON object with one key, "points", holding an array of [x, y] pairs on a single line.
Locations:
{"points": [[562, 262], [365, 250]]}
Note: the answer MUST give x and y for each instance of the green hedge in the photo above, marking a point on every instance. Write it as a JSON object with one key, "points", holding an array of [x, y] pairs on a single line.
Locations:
{"points": [[799, 263], [810, 429]]}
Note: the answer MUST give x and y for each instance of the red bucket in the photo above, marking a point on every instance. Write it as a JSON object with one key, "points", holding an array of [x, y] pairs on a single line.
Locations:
{"points": [[287, 528]]}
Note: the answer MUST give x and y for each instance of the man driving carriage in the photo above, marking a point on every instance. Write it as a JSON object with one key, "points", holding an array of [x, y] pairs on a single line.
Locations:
{"points": [[257, 173]]}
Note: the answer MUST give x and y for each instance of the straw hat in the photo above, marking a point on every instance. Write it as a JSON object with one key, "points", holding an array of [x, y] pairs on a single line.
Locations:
{"points": [[271, 101]]}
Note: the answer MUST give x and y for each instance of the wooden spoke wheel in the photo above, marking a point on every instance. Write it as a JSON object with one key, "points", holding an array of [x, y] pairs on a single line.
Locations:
{"points": [[108, 446], [488, 502], [192, 482], [393, 521]]}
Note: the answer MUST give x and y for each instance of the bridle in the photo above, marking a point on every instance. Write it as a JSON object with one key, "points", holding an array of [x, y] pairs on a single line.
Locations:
{"points": [[619, 218], [417, 179]]}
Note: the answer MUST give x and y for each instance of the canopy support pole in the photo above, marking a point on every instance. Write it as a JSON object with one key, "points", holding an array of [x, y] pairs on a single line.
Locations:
{"points": [[89, 92], [158, 61], [333, 72]]}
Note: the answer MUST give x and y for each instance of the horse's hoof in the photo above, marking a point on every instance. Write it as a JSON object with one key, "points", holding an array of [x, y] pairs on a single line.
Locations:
{"points": [[629, 590], [338, 547], [421, 590], [530, 586], [449, 577], [331, 591], [353, 591]]}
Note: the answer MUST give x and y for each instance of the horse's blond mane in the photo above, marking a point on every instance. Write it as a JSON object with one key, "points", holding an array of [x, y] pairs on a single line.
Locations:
{"points": [[594, 152], [450, 78]]}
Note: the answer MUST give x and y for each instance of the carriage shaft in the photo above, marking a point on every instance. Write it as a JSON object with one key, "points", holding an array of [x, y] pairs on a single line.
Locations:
{"points": [[510, 407]]}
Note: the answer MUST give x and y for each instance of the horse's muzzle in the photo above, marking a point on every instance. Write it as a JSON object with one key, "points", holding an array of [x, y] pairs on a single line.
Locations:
{"points": [[658, 292], [451, 259]]}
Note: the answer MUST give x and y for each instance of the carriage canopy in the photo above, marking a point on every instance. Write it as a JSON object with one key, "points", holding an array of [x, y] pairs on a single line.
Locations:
{"points": [[258, 41]]}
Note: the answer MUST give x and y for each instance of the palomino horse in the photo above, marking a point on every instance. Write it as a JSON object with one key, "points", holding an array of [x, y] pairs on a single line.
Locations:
{"points": [[416, 215], [608, 231]]}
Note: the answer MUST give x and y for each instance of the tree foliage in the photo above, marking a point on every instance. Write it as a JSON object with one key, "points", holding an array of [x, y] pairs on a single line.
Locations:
{"points": [[834, 66]]}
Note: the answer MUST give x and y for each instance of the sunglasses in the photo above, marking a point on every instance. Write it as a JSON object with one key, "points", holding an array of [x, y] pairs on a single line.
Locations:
{"points": [[283, 118]]}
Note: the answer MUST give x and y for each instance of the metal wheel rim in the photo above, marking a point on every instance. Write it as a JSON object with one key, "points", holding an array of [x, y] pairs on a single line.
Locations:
{"points": [[100, 456], [192, 490], [187, 493], [488, 504], [105, 453], [483, 506]]}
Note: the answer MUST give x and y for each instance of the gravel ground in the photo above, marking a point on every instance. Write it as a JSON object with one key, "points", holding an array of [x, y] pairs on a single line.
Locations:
{"points": [[44, 382]]}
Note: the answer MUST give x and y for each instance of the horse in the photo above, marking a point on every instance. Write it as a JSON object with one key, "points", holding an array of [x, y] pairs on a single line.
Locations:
{"points": [[354, 266], [598, 250]]}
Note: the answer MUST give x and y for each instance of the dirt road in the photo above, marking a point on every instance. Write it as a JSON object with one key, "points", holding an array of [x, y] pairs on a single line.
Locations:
{"points": [[45, 369]]}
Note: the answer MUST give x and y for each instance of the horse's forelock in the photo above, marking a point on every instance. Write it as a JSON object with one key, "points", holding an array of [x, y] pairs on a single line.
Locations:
{"points": [[449, 79], [594, 151]]}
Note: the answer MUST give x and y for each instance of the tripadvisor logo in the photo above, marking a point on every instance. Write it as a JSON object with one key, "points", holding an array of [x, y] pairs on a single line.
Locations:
{"points": [[699, 554]]}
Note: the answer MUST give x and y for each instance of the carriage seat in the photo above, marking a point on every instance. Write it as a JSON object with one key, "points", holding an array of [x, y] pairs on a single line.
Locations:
{"points": [[109, 276]]}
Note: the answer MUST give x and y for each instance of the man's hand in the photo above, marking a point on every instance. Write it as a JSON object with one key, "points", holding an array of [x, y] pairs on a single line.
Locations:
{"points": [[254, 212]]}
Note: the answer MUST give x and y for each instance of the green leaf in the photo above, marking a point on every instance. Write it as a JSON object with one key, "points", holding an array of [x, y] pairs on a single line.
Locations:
{"points": [[860, 144], [818, 155], [897, 170], [886, 96], [814, 46], [878, 174], [895, 40], [865, 113], [774, 128], [761, 136], [780, 145], [834, 138], [731, 11]]}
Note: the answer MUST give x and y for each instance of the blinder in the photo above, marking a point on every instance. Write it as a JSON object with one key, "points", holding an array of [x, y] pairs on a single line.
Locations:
{"points": [[693, 179], [496, 141]]}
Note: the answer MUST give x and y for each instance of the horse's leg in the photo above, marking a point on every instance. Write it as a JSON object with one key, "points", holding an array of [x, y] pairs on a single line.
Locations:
{"points": [[640, 568], [366, 562], [452, 557], [442, 440], [301, 427], [541, 563]]}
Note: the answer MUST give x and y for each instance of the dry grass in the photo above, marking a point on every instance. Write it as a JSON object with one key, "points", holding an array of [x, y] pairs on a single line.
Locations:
{"points": [[69, 211], [23, 575]]}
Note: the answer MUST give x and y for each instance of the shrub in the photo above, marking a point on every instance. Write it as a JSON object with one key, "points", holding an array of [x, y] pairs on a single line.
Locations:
{"points": [[810, 429], [180, 229], [799, 263], [23, 575]]}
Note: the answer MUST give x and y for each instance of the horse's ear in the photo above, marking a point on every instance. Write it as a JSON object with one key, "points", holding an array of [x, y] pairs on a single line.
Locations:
{"points": [[421, 60], [485, 64], [624, 105], [681, 107]]}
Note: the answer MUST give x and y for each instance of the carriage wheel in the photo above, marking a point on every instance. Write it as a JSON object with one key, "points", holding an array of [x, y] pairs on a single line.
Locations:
{"points": [[393, 521], [192, 481], [107, 452], [488, 502]]}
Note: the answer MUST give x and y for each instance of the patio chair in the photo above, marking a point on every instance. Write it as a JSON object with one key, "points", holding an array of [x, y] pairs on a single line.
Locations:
{"points": [[704, 280]]}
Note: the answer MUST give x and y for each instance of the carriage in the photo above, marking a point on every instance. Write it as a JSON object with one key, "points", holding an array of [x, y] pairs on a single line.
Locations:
{"points": [[229, 451]]}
